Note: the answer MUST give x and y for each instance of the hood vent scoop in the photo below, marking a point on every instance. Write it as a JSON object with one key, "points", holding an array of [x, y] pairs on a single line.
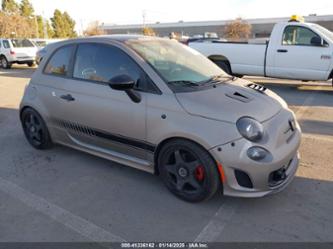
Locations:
{"points": [[238, 96], [256, 87]]}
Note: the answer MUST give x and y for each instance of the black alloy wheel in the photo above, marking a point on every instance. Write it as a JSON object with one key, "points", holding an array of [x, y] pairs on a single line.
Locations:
{"points": [[35, 129], [188, 171]]}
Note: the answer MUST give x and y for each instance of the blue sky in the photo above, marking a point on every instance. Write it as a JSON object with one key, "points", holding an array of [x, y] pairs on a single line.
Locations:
{"points": [[130, 12]]}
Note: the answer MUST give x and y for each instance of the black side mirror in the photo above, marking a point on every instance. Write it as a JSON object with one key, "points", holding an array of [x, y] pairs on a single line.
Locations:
{"points": [[316, 41], [125, 83], [122, 82]]}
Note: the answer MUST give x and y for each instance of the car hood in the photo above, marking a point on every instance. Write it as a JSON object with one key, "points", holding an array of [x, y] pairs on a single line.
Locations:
{"points": [[230, 101]]}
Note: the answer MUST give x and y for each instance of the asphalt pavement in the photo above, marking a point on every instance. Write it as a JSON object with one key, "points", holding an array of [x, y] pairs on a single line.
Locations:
{"points": [[66, 195]]}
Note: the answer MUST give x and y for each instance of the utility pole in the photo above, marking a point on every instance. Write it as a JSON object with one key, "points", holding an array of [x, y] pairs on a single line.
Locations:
{"points": [[144, 18], [37, 31], [46, 36], [44, 22], [36, 25]]}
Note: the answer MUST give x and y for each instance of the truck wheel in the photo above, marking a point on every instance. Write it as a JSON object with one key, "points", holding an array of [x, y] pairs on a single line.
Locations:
{"points": [[4, 63], [224, 65], [30, 64], [188, 170]]}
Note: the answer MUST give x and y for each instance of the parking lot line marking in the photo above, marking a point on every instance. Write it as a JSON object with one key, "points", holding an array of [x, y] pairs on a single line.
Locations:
{"points": [[68, 219], [218, 222]]}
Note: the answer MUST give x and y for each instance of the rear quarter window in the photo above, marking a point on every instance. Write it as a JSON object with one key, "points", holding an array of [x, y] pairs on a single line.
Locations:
{"points": [[59, 61], [5, 44]]}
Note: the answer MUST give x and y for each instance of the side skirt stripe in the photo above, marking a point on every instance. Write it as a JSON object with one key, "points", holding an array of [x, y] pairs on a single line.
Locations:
{"points": [[77, 128]]}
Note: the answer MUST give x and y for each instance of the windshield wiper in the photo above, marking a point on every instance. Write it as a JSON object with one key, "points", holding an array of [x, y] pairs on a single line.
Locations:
{"points": [[217, 79], [183, 83]]}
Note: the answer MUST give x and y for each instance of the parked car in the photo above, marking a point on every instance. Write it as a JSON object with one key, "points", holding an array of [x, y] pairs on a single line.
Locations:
{"points": [[40, 54], [20, 51], [162, 107], [42, 50], [40, 43], [295, 50]]}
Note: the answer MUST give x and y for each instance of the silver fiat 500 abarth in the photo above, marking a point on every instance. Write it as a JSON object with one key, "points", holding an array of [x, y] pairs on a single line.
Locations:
{"points": [[160, 106]]}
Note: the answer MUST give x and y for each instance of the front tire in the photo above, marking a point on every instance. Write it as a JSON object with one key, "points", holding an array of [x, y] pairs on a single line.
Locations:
{"points": [[35, 129], [30, 64], [188, 170]]}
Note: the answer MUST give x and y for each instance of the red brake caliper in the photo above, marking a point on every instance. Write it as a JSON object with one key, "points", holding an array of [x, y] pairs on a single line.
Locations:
{"points": [[200, 173]]}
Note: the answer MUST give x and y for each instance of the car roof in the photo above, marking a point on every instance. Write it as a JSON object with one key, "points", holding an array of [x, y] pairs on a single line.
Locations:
{"points": [[119, 38]]}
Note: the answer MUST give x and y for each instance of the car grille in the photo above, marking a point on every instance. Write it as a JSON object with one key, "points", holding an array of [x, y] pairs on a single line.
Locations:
{"points": [[277, 177]]}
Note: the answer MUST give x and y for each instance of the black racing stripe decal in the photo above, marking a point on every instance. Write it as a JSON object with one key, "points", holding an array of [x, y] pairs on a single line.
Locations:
{"points": [[125, 140], [82, 129]]}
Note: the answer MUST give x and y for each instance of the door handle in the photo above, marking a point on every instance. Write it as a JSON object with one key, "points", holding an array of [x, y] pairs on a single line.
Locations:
{"points": [[282, 51], [67, 97]]}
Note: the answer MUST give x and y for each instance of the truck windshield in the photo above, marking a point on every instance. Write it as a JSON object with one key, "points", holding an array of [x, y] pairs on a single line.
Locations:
{"points": [[21, 43], [176, 63]]}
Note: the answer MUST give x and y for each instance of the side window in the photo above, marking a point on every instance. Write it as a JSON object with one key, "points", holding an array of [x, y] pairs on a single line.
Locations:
{"points": [[59, 62], [6, 44], [101, 63], [296, 35]]}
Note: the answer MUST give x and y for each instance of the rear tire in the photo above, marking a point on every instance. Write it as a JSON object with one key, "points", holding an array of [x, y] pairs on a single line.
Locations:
{"points": [[224, 65], [30, 64], [4, 63], [35, 129], [188, 170]]}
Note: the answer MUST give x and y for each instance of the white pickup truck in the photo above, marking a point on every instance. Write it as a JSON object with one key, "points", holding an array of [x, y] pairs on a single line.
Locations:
{"points": [[295, 50]]}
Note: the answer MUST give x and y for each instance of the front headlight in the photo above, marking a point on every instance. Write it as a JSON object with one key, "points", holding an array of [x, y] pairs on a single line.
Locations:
{"points": [[250, 128]]}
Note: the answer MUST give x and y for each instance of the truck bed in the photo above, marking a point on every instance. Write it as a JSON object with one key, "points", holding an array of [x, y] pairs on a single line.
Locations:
{"points": [[247, 57]]}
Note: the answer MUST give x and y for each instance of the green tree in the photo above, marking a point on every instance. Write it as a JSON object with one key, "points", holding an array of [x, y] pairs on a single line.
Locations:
{"points": [[44, 28], [63, 25], [26, 8], [70, 25], [49, 29], [9, 7], [58, 24]]}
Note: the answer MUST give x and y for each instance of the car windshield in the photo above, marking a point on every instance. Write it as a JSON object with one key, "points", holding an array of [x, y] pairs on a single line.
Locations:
{"points": [[176, 63], [41, 43], [22, 43]]}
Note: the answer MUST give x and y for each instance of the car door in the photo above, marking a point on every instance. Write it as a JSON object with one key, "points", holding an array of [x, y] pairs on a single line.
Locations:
{"points": [[298, 57], [96, 117], [50, 88]]}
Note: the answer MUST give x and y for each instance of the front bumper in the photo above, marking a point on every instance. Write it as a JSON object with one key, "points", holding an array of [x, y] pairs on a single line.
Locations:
{"points": [[255, 177]]}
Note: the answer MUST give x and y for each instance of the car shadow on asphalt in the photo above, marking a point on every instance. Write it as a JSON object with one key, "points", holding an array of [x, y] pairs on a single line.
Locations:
{"points": [[316, 126], [18, 72], [296, 95]]}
